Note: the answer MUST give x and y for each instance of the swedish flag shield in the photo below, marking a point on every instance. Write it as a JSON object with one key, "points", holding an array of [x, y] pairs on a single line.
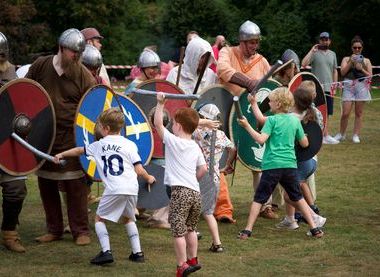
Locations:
{"points": [[137, 129]]}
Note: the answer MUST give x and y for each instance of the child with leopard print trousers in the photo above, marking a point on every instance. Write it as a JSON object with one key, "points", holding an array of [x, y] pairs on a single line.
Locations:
{"points": [[184, 166]]}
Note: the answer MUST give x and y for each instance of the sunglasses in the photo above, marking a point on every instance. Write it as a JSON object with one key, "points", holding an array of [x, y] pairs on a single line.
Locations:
{"points": [[357, 48]]}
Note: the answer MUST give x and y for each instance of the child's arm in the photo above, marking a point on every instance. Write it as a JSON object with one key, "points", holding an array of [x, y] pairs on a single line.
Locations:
{"points": [[260, 138], [212, 124], [201, 171], [158, 115], [256, 110], [140, 171], [231, 156], [304, 142], [73, 152]]}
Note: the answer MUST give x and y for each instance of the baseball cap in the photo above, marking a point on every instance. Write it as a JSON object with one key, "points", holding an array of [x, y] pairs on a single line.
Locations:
{"points": [[209, 111], [90, 33], [324, 35]]}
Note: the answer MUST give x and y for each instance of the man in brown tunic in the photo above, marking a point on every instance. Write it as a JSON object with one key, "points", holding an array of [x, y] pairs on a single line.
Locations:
{"points": [[66, 80], [13, 187]]}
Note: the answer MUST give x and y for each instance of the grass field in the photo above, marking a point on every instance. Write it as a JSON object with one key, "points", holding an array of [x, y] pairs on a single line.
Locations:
{"points": [[348, 186]]}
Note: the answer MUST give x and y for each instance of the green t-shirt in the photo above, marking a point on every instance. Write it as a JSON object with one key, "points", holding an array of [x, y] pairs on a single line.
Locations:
{"points": [[283, 130]]}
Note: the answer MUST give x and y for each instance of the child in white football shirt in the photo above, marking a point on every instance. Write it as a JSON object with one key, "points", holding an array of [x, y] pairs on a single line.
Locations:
{"points": [[118, 164]]}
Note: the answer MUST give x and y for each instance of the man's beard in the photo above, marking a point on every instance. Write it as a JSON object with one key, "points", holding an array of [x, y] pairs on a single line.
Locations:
{"points": [[70, 67], [4, 66]]}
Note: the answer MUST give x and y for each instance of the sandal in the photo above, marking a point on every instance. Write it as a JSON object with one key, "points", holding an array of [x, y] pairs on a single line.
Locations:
{"points": [[244, 234], [316, 232], [216, 248]]}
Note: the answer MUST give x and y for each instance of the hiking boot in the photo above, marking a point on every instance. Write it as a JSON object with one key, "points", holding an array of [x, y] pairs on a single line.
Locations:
{"points": [[216, 248], [103, 258], [12, 241], [82, 240], [287, 224], [137, 257], [47, 238], [269, 213]]}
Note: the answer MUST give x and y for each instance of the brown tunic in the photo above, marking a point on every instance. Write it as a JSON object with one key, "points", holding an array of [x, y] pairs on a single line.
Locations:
{"points": [[65, 95]]}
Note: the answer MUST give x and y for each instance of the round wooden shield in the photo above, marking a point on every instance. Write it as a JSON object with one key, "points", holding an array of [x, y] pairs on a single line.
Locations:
{"points": [[222, 98], [249, 152], [98, 99], [148, 103], [315, 136], [320, 99], [27, 97], [157, 197]]}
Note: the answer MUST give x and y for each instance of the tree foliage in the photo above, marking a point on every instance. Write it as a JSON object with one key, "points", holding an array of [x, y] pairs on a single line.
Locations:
{"points": [[129, 25]]}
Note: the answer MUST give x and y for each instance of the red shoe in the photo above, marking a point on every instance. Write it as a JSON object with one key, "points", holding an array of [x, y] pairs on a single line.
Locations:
{"points": [[193, 262], [185, 270]]}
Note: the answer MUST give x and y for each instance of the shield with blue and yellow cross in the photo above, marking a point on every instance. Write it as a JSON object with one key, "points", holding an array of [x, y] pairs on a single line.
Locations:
{"points": [[137, 129]]}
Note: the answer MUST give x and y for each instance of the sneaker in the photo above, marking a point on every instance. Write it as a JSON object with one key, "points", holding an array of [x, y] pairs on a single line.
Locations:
{"points": [[319, 221], [193, 262], [329, 140], [355, 139], [216, 248], [340, 137], [184, 270], [287, 224], [137, 257], [269, 213], [102, 258], [199, 235]]}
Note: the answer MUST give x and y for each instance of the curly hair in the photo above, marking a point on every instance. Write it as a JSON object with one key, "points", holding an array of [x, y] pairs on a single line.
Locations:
{"points": [[284, 99]]}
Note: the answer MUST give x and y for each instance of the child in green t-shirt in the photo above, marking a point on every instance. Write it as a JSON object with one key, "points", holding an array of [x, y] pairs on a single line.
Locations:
{"points": [[279, 163]]}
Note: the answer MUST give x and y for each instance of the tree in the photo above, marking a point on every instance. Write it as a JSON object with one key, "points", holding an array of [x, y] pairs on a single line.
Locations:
{"points": [[25, 36]]}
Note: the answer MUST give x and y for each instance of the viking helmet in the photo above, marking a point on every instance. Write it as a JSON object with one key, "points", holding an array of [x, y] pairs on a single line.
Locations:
{"points": [[148, 58], [291, 55], [91, 57], [72, 39], [4, 49], [249, 30], [209, 111]]}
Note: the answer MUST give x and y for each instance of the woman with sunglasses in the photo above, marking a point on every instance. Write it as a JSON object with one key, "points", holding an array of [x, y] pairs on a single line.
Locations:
{"points": [[355, 69]]}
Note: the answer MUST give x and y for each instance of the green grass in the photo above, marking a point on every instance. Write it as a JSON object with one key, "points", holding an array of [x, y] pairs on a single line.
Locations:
{"points": [[348, 194]]}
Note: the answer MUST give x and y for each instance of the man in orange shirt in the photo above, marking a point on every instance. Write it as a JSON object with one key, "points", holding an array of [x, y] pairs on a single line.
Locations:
{"points": [[239, 68]]}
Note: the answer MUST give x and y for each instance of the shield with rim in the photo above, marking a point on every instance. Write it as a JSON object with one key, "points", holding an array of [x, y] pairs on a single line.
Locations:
{"points": [[249, 152], [222, 98], [28, 98], [137, 129], [148, 104], [320, 99]]}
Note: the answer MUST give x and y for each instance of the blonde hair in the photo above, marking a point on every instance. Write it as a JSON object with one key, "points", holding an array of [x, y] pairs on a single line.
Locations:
{"points": [[308, 85], [283, 97], [113, 118]]}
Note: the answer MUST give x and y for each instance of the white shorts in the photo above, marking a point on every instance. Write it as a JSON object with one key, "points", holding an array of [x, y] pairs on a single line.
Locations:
{"points": [[356, 91], [112, 207]]}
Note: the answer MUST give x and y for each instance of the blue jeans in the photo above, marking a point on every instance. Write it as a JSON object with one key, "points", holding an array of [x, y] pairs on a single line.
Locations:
{"points": [[306, 168]]}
